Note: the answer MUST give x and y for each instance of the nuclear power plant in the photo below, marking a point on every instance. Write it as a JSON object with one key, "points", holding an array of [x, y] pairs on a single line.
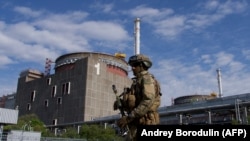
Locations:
{"points": [[80, 92]]}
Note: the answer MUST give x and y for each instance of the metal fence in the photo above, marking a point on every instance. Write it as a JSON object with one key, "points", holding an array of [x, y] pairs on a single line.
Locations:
{"points": [[60, 139], [20, 137], [5, 137]]}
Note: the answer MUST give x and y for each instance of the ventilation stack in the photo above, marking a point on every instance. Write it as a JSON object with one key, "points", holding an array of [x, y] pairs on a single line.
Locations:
{"points": [[219, 82], [137, 35]]}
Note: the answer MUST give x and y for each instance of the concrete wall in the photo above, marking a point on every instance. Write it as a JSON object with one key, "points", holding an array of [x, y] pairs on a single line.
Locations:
{"points": [[89, 76]]}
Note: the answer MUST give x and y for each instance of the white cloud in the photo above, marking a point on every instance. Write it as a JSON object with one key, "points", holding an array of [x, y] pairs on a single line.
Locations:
{"points": [[169, 24], [50, 35], [171, 27], [47, 34], [178, 79], [27, 11], [215, 12], [106, 8], [223, 59], [103, 31], [206, 59], [246, 53], [148, 14], [4, 60]]}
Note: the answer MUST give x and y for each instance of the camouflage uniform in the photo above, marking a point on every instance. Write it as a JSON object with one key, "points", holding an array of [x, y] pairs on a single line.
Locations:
{"points": [[143, 99]]}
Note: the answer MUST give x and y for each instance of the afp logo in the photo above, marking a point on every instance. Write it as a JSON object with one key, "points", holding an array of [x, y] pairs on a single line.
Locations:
{"points": [[234, 133]]}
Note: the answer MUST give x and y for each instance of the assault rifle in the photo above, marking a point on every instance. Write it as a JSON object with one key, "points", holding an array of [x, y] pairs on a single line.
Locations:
{"points": [[118, 101], [120, 106]]}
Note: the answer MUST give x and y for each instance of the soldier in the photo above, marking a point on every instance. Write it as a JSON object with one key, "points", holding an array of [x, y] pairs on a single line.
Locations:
{"points": [[142, 101]]}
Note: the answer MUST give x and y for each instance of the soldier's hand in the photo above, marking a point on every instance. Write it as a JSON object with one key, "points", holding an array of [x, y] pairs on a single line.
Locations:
{"points": [[115, 105], [122, 122]]}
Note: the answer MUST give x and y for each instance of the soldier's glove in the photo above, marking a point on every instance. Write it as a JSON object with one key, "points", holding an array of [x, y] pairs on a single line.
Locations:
{"points": [[116, 105], [125, 120], [122, 122]]}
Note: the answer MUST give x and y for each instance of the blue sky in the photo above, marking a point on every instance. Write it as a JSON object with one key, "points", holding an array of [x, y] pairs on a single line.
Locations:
{"points": [[186, 40]]}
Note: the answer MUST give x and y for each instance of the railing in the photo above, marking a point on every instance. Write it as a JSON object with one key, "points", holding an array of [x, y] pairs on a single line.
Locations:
{"points": [[60, 139], [20, 138]]}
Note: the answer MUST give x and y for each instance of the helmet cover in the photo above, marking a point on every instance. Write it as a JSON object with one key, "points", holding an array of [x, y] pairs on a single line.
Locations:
{"points": [[140, 58]]}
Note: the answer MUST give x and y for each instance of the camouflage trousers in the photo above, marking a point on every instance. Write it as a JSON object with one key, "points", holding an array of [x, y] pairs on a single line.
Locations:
{"points": [[131, 135], [151, 118]]}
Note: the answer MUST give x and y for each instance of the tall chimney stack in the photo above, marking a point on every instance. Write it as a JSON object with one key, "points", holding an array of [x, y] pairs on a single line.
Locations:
{"points": [[137, 36], [219, 82]]}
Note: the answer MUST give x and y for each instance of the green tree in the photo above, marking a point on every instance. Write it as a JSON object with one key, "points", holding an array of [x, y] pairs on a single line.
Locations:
{"points": [[29, 122], [235, 122], [71, 132], [90, 132], [98, 132]]}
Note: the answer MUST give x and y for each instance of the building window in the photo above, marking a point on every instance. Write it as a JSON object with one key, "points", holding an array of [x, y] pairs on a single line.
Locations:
{"points": [[63, 88], [66, 88], [33, 96], [59, 100], [54, 121], [28, 106], [46, 103], [48, 81], [53, 91]]}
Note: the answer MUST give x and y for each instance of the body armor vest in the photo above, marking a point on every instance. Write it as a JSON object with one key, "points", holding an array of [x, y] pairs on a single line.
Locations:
{"points": [[132, 98]]}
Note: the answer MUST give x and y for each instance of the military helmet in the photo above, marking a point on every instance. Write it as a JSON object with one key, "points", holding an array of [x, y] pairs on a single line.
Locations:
{"points": [[139, 58]]}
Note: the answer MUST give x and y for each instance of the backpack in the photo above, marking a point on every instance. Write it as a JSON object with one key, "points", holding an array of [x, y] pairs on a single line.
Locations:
{"points": [[157, 86]]}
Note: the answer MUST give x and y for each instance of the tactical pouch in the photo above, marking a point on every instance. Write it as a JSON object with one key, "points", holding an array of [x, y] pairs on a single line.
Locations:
{"points": [[157, 118], [156, 104], [152, 118], [129, 101], [142, 120]]}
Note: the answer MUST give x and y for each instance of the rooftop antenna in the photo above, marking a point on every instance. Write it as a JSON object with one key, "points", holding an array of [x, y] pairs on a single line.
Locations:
{"points": [[48, 66], [137, 35], [219, 82]]}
